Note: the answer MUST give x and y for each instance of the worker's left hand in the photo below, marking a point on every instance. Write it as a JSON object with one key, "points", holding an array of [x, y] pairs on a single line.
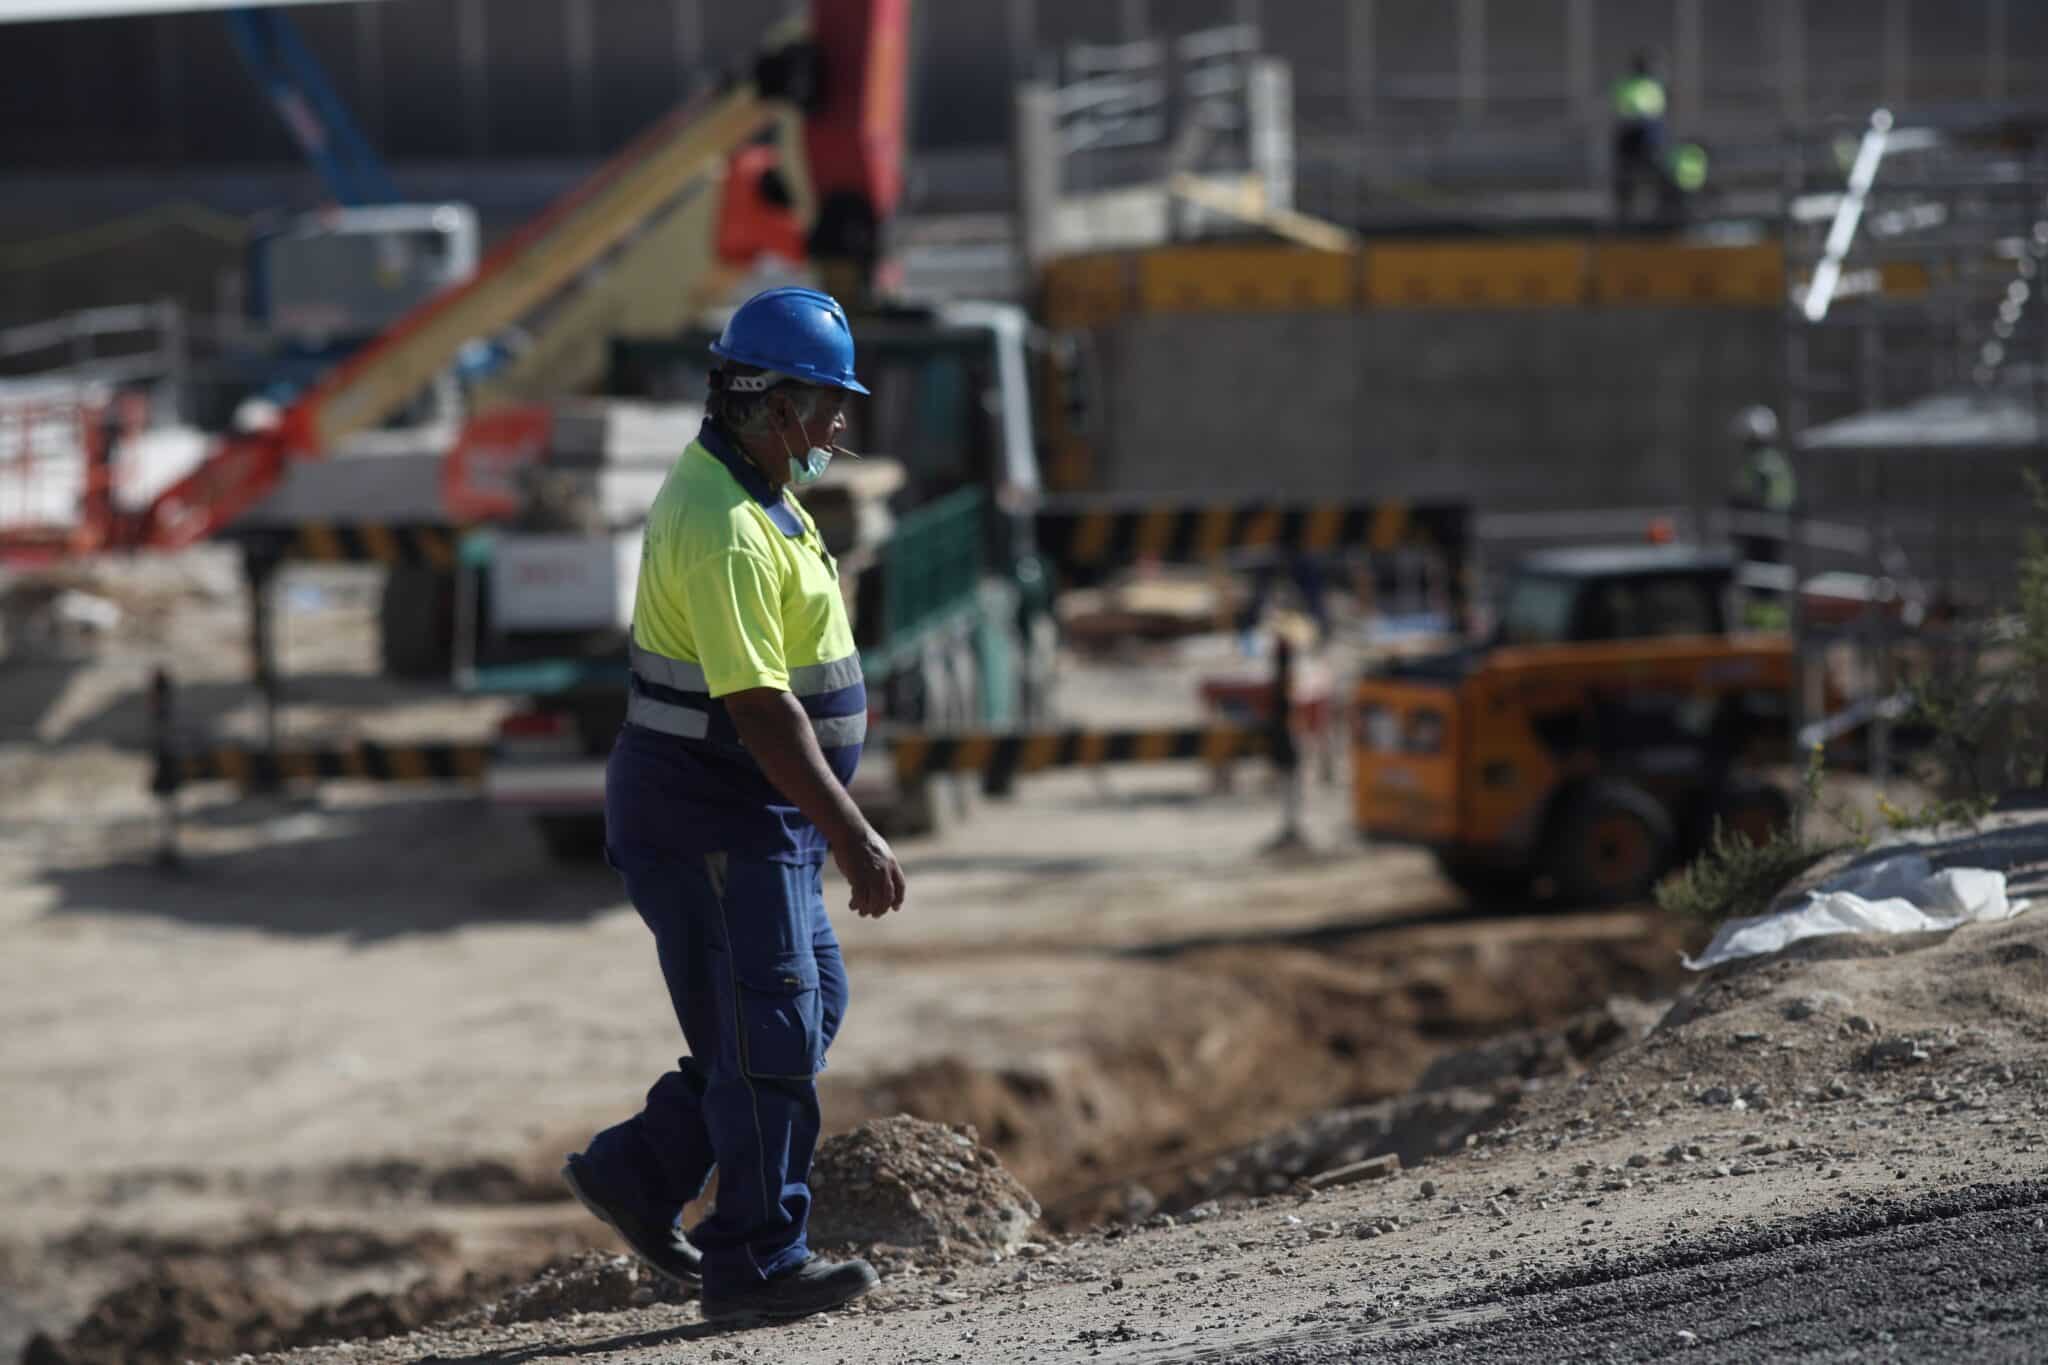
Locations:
{"points": [[870, 868]]}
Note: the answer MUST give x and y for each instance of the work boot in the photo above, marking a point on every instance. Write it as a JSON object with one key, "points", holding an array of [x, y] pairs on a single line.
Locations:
{"points": [[816, 1286], [660, 1246]]}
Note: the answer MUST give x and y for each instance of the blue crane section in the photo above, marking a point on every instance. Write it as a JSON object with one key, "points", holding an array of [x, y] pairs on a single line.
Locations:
{"points": [[290, 75]]}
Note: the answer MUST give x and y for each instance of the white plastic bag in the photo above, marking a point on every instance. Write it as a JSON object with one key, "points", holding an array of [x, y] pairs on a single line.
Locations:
{"points": [[1895, 895]]}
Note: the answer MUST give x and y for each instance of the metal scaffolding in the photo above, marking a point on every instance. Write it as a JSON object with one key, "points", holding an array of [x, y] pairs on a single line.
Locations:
{"points": [[1915, 388]]}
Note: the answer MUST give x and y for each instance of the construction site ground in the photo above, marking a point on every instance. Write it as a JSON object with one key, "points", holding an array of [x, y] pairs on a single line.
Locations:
{"points": [[314, 1085]]}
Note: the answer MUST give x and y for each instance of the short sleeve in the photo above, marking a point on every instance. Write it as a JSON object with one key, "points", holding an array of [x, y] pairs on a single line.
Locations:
{"points": [[733, 600]]}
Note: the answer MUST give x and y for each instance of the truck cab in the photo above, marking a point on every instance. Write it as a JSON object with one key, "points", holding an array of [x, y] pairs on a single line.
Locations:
{"points": [[1592, 740]]}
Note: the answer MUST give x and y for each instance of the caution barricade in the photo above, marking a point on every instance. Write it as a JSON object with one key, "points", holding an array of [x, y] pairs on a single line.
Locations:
{"points": [[999, 757], [364, 542], [252, 766], [1085, 537]]}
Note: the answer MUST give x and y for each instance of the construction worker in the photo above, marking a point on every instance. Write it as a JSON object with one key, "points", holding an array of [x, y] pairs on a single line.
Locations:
{"points": [[724, 793], [1765, 490], [1639, 139], [1306, 571]]}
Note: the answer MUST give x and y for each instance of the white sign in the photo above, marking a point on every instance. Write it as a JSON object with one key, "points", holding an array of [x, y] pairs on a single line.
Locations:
{"points": [[554, 582]]}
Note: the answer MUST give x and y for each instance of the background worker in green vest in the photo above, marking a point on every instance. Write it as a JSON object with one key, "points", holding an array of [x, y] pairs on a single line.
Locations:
{"points": [[1765, 490], [1639, 104]]}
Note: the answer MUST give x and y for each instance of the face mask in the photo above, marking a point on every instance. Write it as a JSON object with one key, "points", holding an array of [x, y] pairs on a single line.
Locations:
{"points": [[808, 467]]}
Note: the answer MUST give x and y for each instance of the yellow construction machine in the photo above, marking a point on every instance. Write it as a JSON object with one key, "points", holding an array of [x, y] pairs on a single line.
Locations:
{"points": [[1592, 741]]}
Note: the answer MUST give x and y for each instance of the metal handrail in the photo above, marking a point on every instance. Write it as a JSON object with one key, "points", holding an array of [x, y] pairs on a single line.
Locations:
{"points": [[85, 326], [932, 563]]}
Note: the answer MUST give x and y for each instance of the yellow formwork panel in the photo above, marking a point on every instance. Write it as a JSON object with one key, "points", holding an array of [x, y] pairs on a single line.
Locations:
{"points": [[1475, 274], [1246, 279], [1668, 272], [653, 287], [1891, 279], [1084, 291], [1905, 279]]}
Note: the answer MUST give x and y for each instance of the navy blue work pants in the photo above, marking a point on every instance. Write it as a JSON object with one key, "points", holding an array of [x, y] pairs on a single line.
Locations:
{"points": [[755, 974]]}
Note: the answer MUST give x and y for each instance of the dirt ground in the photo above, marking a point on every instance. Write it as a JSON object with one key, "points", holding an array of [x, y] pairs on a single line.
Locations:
{"points": [[314, 1085], [1836, 1154]]}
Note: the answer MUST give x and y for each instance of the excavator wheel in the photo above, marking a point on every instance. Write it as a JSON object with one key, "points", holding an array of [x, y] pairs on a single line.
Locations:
{"points": [[1609, 844]]}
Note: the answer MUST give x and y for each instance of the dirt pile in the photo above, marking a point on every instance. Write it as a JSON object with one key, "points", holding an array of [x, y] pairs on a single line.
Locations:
{"points": [[592, 1282], [205, 1309], [1831, 1056], [1458, 1096], [903, 1182], [1286, 1034], [182, 1311], [185, 1296]]}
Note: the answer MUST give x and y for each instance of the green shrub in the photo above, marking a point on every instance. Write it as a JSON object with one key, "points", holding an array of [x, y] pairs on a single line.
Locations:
{"points": [[1735, 877]]}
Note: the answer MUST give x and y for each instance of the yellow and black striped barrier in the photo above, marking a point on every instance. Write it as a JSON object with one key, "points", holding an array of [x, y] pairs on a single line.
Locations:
{"points": [[364, 542], [997, 757], [1082, 538], [363, 761]]}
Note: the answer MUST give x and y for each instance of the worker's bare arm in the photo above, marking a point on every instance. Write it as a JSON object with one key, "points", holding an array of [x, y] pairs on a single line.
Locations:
{"points": [[778, 734]]}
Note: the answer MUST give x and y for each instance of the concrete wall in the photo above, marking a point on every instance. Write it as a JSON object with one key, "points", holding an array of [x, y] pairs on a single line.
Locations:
{"points": [[1534, 409]]}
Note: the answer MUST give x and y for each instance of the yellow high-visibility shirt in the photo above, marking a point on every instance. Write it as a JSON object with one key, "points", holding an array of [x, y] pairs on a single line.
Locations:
{"points": [[740, 587], [736, 592]]}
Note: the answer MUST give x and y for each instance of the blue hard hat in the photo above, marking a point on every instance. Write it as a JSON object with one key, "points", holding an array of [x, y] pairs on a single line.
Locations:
{"points": [[798, 332]]}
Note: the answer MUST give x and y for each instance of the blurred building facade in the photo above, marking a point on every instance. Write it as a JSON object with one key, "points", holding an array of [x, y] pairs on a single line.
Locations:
{"points": [[504, 98], [134, 150]]}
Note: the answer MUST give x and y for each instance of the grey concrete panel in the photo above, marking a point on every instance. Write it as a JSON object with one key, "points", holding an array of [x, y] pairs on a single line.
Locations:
{"points": [[1512, 410]]}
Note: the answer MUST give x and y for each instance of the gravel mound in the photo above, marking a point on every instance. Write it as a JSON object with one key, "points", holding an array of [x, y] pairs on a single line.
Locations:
{"points": [[193, 1299], [592, 1282], [180, 1311], [904, 1182]]}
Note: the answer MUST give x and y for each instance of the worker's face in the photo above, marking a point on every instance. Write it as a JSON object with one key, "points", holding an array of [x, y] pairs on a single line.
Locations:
{"points": [[826, 424]]}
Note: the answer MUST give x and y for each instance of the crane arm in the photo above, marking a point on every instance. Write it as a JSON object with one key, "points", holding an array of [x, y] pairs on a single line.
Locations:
{"points": [[547, 257], [281, 63], [586, 263]]}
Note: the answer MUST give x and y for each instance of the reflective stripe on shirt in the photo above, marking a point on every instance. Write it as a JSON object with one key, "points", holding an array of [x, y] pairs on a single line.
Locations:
{"points": [[811, 679], [680, 674], [670, 696], [670, 719]]}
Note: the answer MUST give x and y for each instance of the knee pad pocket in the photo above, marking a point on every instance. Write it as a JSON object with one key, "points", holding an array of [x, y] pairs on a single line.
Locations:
{"points": [[780, 1033]]}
